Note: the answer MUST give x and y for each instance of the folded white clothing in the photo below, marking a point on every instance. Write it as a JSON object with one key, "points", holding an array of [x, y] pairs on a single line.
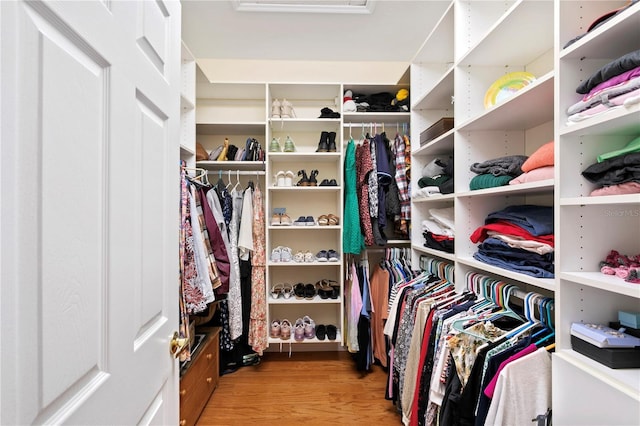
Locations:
{"points": [[427, 191], [519, 242], [435, 228], [443, 216]]}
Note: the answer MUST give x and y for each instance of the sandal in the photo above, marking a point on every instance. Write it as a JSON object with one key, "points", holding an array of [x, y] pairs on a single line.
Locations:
{"points": [[323, 220], [333, 219], [287, 290], [312, 178], [276, 290], [304, 180]]}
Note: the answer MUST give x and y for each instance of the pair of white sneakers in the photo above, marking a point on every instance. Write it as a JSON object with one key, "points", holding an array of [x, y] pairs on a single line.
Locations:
{"points": [[283, 179], [281, 254], [282, 109]]}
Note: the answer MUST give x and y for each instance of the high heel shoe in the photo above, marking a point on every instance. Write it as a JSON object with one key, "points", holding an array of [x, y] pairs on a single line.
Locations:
{"points": [[276, 109], [304, 181], [312, 178], [223, 153], [287, 110]]}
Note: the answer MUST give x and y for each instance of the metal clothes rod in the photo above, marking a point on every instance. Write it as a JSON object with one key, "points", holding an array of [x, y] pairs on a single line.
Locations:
{"points": [[237, 172]]}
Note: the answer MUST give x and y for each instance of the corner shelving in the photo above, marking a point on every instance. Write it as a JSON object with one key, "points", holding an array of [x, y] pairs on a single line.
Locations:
{"points": [[591, 226]]}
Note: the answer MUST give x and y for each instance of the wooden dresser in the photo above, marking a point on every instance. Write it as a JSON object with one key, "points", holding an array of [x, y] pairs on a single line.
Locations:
{"points": [[200, 377]]}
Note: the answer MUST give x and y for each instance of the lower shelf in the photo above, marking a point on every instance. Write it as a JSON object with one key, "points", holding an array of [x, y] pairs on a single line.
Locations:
{"points": [[276, 340]]}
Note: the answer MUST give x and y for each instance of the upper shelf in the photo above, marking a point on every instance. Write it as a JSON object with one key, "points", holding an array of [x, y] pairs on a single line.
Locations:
{"points": [[518, 38], [526, 109], [376, 117], [231, 129], [439, 95], [438, 46]]}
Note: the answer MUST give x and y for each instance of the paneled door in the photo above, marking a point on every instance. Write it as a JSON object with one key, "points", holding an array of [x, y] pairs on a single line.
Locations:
{"points": [[89, 172]]}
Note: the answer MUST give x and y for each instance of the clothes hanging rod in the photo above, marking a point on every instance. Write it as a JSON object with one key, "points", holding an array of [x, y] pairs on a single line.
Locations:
{"points": [[224, 173], [373, 123]]}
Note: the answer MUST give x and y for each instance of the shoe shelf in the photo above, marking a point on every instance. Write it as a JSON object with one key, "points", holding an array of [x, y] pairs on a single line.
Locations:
{"points": [[601, 281], [276, 340], [284, 125], [293, 301], [232, 129], [303, 228], [305, 154], [306, 188], [294, 264]]}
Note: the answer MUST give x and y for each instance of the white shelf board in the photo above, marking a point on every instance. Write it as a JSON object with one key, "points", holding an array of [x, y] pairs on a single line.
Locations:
{"points": [[624, 29], [526, 109], [187, 150], [518, 38], [305, 91], [443, 144], [186, 103], [276, 340], [545, 283], [541, 186], [434, 252], [438, 46], [376, 117], [398, 242], [625, 380], [300, 157], [239, 128], [302, 264], [303, 228], [283, 125], [434, 199], [603, 200], [298, 189], [257, 166], [439, 96], [294, 301], [619, 120], [603, 282]]}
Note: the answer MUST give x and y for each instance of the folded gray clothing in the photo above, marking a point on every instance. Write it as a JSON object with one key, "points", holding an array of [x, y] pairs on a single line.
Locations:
{"points": [[604, 95], [432, 169], [510, 165]]}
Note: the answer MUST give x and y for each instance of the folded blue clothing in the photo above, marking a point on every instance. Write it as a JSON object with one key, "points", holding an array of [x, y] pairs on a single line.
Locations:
{"points": [[537, 220], [498, 248], [530, 270]]}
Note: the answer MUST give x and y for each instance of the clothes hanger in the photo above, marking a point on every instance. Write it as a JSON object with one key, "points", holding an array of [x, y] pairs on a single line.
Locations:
{"points": [[235, 187]]}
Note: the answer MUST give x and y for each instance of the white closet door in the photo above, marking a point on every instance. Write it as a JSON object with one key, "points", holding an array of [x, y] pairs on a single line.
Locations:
{"points": [[89, 222]]}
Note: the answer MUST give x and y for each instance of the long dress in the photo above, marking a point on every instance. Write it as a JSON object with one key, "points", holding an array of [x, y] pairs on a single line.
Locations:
{"points": [[258, 323], [352, 239]]}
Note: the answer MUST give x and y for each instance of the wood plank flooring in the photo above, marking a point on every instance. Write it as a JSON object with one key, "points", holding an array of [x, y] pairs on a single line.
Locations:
{"points": [[311, 388]]}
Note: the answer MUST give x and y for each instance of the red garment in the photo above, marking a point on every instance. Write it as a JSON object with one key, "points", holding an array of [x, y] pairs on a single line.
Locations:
{"points": [[441, 237], [508, 228]]}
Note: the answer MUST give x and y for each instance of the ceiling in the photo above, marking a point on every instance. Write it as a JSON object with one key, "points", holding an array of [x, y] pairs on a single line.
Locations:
{"points": [[393, 32]]}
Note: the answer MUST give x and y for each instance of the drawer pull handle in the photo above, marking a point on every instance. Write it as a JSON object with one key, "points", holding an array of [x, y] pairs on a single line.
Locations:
{"points": [[209, 356], [209, 380], [183, 392]]}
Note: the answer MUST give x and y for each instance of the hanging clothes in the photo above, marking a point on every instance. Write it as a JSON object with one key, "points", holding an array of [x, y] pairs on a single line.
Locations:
{"points": [[185, 355], [258, 337], [352, 238], [364, 167], [235, 291]]}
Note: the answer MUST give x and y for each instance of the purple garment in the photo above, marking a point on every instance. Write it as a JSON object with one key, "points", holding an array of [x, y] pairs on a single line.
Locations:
{"points": [[621, 78], [616, 67], [217, 244], [603, 96]]}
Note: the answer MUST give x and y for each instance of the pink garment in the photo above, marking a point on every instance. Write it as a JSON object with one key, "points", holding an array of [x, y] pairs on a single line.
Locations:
{"points": [[620, 189], [491, 387], [620, 78], [626, 99], [541, 173]]}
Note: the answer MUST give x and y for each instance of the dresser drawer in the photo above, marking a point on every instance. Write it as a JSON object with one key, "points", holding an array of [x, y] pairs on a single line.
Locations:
{"points": [[200, 379]]}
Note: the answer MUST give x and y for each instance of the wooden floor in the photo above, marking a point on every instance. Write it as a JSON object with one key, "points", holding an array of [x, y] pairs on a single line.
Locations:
{"points": [[312, 388]]}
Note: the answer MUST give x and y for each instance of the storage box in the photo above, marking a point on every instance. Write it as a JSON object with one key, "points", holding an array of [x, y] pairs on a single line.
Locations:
{"points": [[629, 319], [438, 128], [603, 336], [629, 330], [611, 357]]}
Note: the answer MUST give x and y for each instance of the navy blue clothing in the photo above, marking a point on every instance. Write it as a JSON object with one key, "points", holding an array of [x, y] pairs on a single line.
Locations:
{"points": [[537, 220]]}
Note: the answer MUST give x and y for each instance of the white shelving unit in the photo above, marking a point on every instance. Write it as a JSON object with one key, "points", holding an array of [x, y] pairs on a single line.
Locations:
{"points": [[495, 38], [592, 226], [305, 130], [187, 107]]}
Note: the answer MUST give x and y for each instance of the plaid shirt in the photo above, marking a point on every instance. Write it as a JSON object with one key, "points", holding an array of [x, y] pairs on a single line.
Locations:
{"points": [[400, 146]]}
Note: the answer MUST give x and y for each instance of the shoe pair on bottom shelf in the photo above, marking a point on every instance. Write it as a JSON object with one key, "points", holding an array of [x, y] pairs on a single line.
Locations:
{"points": [[329, 331], [304, 328]]}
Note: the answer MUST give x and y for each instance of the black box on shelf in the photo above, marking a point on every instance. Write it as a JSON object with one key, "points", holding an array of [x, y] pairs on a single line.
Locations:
{"points": [[438, 128], [611, 357], [630, 331]]}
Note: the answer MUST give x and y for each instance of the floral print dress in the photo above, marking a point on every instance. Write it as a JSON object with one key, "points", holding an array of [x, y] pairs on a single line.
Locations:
{"points": [[258, 338]]}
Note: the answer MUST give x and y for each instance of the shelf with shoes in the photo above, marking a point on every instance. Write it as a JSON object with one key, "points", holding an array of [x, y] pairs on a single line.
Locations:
{"points": [[303, 181]]}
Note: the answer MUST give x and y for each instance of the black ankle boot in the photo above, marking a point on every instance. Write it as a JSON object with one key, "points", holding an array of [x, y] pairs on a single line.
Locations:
{"points": [[304, 181], [332, 141], [312, 178], [323, 145]]}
